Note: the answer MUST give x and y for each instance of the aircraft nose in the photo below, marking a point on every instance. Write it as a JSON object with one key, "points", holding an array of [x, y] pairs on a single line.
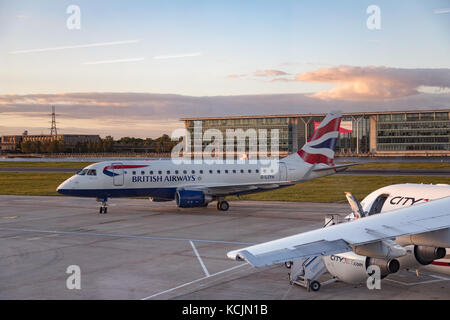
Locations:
{"points": [[63, 187]]}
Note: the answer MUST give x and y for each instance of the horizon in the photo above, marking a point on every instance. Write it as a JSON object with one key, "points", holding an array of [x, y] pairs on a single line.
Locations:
{"points": [[133, 69]]}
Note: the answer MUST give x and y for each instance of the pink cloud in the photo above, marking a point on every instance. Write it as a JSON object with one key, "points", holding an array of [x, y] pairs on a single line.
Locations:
{"points": [[269, 73], [375, 83]]}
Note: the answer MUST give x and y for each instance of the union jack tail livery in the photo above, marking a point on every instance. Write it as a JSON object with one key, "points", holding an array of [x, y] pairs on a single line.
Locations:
{"points": [[320, 147]]}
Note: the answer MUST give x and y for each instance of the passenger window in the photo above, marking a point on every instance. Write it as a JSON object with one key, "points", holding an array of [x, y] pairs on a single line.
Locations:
{"points": [[242, 171], [176, 171], [201, 171], [257, 171], [193, 171], [210, 171], [226, 171], [168, 171], [134, 172], [249, 171], [159, 172], [151, 172], [184, 171], [142, 172], [218, 171], [234, 171]]}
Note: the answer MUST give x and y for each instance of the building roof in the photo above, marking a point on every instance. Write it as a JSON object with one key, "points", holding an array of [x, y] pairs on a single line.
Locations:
{"points": [[309, 115]]}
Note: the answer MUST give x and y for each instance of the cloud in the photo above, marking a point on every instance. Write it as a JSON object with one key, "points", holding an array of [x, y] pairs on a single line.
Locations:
{"points": [[269, 73], [150, 115], [442, 11], [375, 83], [259, 73]]}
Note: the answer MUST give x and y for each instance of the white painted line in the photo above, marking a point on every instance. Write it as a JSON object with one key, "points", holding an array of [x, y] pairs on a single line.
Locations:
{"points": [[114, 61], [199, 259], [438, 279], [90, 45], [195, 281], [125, 236]]}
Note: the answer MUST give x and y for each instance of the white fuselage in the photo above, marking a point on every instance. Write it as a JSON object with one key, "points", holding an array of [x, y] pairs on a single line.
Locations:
{"points": [[161, 178]]}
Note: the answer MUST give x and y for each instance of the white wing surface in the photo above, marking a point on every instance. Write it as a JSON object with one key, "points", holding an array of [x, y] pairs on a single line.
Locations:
{"points": [[421, 218]]}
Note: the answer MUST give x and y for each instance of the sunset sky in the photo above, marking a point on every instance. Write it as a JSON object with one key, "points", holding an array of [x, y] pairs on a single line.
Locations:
{"points": [[135, 67]]}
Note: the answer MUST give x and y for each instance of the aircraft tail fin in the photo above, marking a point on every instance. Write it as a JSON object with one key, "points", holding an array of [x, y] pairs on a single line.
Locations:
{"points": [[320, 147]]}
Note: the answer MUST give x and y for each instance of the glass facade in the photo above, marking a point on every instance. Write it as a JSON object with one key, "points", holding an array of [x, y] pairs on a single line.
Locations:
{"points": [[422, 131], [363, 134]]}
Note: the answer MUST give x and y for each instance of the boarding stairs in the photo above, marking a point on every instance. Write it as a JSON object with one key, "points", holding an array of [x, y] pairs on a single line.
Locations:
{"points": [[306, 272]]}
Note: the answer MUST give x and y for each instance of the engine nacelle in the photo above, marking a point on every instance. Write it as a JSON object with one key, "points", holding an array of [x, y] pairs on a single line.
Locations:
{"points": [[352, 268], [418, 256], [191, 198]]}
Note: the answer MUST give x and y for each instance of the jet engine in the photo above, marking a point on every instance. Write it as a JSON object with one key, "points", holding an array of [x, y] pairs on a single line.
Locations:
{"points": [[418, 256], [352, 268], [191, 198]]}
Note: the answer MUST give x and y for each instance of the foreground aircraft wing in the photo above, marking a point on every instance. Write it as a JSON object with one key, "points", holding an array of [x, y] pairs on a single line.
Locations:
{"points": [[232, 189], [344, 237]]}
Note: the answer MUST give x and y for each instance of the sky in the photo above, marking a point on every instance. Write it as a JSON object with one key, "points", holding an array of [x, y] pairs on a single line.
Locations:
{"points": [[133, 68]]}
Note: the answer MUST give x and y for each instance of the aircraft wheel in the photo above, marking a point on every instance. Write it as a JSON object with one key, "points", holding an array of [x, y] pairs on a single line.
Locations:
{"points": [[315, 286], [101, 210], [223, 205]]}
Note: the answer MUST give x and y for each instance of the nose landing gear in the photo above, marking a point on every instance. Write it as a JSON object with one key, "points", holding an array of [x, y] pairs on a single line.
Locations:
{"points": [[104, 205]]}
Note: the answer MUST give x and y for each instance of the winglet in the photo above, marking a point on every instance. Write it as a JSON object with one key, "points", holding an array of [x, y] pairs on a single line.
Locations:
{"points": [[357, 209]]}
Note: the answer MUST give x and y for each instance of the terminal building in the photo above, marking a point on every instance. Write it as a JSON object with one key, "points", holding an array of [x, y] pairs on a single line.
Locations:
{"points": [[397, 133]]}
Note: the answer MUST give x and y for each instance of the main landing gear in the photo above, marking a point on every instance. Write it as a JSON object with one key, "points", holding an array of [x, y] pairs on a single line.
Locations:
{"points": [[104, 206], [222, 205]]}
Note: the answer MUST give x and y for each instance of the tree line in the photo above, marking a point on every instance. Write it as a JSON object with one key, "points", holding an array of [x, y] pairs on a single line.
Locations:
{"points": [[163, 144]]}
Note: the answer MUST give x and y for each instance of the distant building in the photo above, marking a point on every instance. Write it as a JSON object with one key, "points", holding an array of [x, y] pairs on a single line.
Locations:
{"points": [[11, 142], [394, 133]]}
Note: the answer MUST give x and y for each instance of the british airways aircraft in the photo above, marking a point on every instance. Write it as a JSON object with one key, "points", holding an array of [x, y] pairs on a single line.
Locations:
{"points": [[196, 185]]}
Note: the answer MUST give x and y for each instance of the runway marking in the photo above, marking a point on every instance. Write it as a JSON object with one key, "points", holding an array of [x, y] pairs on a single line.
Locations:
{"points": [[195, 281], [199, 259], [32, 239], [438, 279], [112, 235]]}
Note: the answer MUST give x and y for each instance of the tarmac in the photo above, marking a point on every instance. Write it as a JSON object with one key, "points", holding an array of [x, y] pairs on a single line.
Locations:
{"points": [[147, 250]]}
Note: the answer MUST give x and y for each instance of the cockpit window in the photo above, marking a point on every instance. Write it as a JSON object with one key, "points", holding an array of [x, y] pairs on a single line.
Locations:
{"points": [[82, 172], [92, 172]]}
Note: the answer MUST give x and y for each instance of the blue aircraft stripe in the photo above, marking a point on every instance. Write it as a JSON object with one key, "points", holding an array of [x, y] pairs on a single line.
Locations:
{"points": [[329, 144]]}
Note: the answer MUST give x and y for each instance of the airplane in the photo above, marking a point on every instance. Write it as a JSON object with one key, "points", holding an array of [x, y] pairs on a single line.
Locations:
{"points": [[196, 185], [403, 226]]}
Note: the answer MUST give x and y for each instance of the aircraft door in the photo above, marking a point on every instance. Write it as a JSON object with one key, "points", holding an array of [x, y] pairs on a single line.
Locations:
{"points": [[377, 205], [118, 176], [283, 171]]}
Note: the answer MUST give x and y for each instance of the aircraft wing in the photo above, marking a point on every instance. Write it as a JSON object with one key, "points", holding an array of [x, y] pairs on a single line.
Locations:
{"points": [[226, 189], [421, 218], [337, 168]]}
